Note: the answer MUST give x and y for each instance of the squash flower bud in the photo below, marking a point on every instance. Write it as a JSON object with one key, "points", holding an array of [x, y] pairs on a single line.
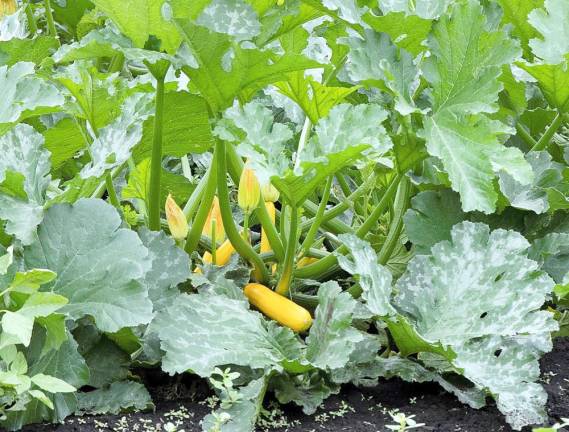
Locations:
{"points": [[270, 193], [214, 218], [176, 219], [249, 191]]}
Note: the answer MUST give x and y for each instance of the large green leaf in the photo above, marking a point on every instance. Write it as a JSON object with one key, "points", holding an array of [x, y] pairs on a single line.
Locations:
{"points": [[340, 139], [27, 50], [63, 140], [516, 13], [25, 94], [235, 18], [222, 69], [186, 127], [140, 19], [464, 69], [24, 179], [553, 80], [552, 252], [553, 45], [480, 295], [100, 266], [431, 218], [201, 332], [427, 9]]}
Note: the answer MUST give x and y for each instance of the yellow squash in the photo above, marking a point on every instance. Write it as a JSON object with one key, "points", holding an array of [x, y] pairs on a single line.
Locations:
{"points": [[278, 307], [222, 255]]}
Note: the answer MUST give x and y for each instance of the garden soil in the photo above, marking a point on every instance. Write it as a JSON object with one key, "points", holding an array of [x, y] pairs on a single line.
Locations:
{"points": [[184, 401]]}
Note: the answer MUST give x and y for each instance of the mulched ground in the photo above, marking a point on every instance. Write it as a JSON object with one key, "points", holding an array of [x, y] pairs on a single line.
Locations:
{"points": [[185, 403]]}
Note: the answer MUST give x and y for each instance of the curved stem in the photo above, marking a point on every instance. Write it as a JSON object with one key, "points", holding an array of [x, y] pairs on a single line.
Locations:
{"points": [[311, 235], [396, 226], [287, 273], [31, 19], [321, 267], [50, 22], [546, 137], [194, 201], [241, 246], [156, 162], [194, 235], [111, 191]]}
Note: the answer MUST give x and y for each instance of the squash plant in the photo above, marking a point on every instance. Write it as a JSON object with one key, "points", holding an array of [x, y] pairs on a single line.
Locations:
{"points": [[292, 195]]}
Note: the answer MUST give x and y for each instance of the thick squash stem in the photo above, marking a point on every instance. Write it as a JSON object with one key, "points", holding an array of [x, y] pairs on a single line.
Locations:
{"points": [[286, 276]]}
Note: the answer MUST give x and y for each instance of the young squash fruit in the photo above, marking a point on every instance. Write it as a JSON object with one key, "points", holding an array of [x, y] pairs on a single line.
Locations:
{"points": [[278, 307], [222, 255]]}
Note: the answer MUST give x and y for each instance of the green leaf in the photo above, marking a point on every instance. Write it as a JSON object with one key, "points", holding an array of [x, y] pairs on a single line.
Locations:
{"points": [[112, 147], [375, 61], [100, 266], [431, 218], [42, 397], [374, 279], [406, 31], [535, 196], [24, 179], [552, 252], [27, 50], [201, 332], [52, 384], [120, 396], [227, 280], [186, 127], [315, 99], [308, 390], [222, 69], [480, 295], [464, 71], [140, 19], [241, 415], [13, 26], [63, 141], [24, 94], [553, 80], [65, 364], [104, 42], [427, 9], [332, 338], [553, 45], [139, 184], [516, 13], [29, 282], [16, 329]]}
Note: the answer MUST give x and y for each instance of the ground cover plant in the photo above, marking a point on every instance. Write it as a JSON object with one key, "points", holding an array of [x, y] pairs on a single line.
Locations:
{"points": [[282, 197]]}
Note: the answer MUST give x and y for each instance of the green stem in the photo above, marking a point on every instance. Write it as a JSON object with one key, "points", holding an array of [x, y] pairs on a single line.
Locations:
{"points": [[214, 241], [333, 225], [311, 235], [194, 235], [524, 135], [117, 63], [396, 226], [287, 273], [31, 19], [49, 16], [111, 191], [241, 246], [321, 267], [194, 201], [156, 162], [546, 137]]}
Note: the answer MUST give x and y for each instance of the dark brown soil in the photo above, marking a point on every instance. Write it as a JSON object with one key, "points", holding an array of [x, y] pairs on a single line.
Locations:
{"points": [[356, 410]]}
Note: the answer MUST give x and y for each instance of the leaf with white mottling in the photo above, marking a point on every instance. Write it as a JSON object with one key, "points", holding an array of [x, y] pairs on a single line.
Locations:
{"points": [[374, 60], [100, 266], [332, 338], [552, 252], [236, 18], [374, 279], [480, 295], [201, 332], [307, 390], [428, 9], [347, 10], [14, 26], [24, 94], [119, 397], [113, 146], [553, 46], [24, 179]]}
